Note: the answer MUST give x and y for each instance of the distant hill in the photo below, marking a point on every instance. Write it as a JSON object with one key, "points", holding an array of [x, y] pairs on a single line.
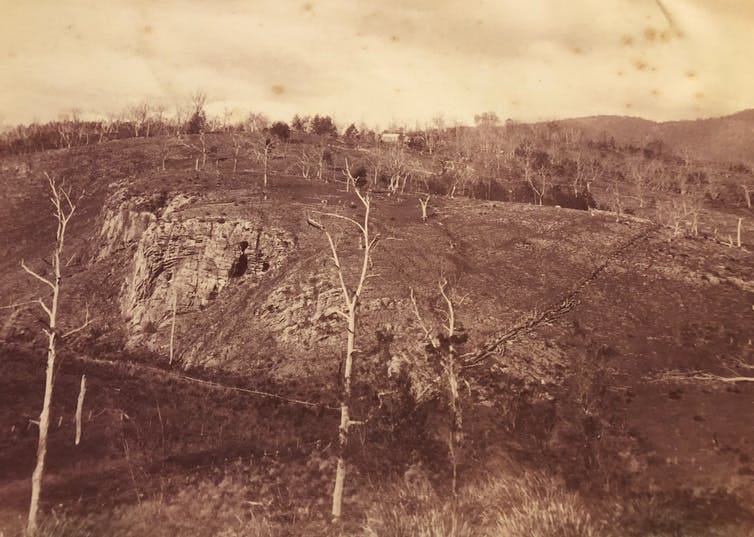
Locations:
{"points": [[729, 138]]}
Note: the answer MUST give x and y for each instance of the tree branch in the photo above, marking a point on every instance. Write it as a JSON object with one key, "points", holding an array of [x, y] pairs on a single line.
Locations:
{"points": [[37, 276], [87, 322]]}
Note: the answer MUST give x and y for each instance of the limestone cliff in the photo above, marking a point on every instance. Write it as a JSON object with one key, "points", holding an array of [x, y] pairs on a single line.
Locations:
{"points": [[181, 259]]}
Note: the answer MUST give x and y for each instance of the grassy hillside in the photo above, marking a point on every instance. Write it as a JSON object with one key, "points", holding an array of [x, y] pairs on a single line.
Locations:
{"points": [[595, 354]]}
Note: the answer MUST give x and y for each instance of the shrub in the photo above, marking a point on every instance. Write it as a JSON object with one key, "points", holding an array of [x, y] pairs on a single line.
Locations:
{"points": [[323, 126], [281, 130]]}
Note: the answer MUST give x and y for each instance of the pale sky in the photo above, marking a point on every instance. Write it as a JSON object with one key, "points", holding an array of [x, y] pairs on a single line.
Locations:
{"points": [[380, 61]]}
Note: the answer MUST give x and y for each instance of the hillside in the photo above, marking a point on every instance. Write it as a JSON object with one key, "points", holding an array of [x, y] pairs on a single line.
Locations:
{"points": [[724, 139], [595, 352]]}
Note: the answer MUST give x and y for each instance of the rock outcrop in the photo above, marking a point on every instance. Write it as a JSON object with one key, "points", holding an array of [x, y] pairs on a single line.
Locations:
{"points": [[182, 260]]}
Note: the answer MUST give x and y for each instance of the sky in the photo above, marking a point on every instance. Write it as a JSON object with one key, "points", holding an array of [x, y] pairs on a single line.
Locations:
{"points": [[379, 62]]}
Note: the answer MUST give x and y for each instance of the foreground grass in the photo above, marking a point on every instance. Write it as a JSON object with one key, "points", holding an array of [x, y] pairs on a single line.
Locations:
{"points": [[529, 505]]}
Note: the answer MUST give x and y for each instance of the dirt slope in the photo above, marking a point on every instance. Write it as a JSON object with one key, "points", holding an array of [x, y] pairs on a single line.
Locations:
{"points": [[589, 322]]}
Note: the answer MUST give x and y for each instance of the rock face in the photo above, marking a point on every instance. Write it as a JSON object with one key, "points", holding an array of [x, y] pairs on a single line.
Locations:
{"points": [[182, 260]]}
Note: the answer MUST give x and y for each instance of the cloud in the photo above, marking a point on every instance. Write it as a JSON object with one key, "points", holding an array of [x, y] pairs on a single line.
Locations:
{"points": [[393, 60]]}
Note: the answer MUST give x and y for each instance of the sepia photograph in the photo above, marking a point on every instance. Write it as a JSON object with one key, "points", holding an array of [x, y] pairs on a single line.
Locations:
{"points": [[331, 268]]}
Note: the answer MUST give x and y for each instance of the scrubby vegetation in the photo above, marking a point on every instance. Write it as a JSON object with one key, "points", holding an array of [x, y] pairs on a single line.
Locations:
{"points": [[533, 393]]}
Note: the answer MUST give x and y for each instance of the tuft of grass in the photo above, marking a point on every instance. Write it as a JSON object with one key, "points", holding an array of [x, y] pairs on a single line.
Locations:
{"points": [[441, 520], [548, 517], [508, 506]]}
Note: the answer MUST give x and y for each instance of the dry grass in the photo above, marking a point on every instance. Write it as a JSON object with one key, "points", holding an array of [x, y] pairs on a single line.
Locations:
{"points": [[203, 510], [529, 505]]}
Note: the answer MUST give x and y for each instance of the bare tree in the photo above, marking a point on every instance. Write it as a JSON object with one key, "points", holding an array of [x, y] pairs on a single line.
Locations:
{"points": [[203, 143], [393, 164], [66, 128], [305, 164], [138, 116], [104, 128], [194, 149], [239, 143], [351, 301], [431, 133], [587, 172], [63, 211], [164, 147], [256, 122], [444, 345], [423, 202], [263, 149], [324, 157]]}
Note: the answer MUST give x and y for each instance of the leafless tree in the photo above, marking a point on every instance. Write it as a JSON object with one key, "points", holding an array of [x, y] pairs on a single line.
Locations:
{"points": [[431, 133], [445, 346], [203, 144], [617, 195], [305, 164], [587, 172], [351, 300], [67, 128], [323, 156], [63, 211], [138, 116], [104, 128], [164, 147], [263, 146], [158, 118], [239, 144], [393, 163], [180, 120], [196, 151], [536, 174], [684, 203], [423, 202], [643, 173], [256, 122]]}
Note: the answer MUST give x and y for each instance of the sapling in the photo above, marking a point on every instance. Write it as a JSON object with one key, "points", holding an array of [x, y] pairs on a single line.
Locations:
{"points": [[444, 346], [351, 299]]}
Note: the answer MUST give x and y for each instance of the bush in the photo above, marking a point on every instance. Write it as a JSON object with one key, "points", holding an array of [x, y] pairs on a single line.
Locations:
{"points": [[323, 126], [281, 130], [197, 123]]}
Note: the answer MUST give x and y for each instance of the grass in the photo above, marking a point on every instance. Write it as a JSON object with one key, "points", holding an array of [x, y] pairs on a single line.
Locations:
{"points": [[206, 509], [528, 505]]}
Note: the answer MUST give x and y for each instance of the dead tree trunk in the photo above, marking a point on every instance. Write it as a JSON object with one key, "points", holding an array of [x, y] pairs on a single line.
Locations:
{"points": [[172, 327], [424, 202], [351, 299], [80, 408], [263, 150], [451, 374], [203, 141], [445, 345], [64, 210]]}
